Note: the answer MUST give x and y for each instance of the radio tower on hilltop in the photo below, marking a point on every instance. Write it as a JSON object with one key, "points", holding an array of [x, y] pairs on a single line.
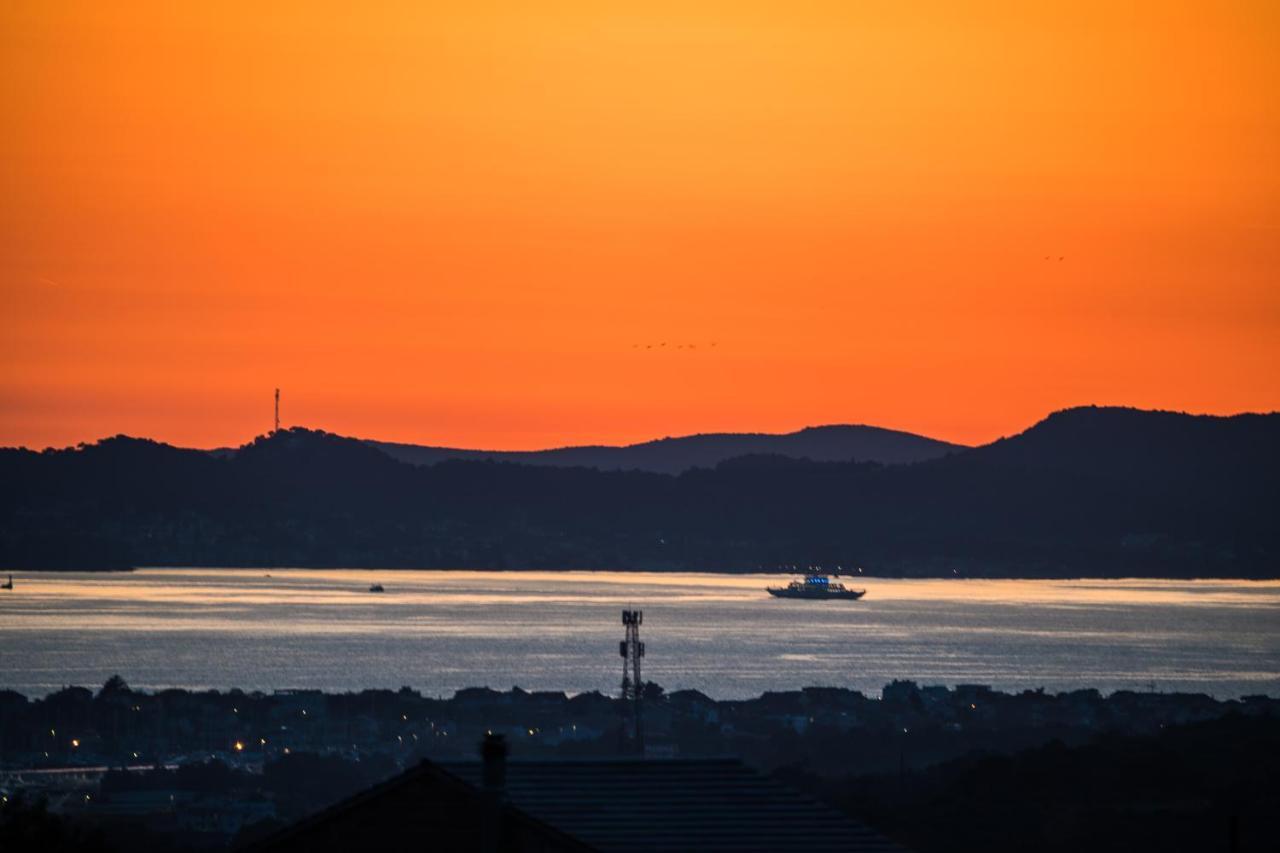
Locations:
{"points": [[632, 650], [277, 429]]}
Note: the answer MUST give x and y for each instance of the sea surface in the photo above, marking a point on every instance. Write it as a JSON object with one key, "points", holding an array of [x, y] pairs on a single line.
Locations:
{"points": [[438, 631]]}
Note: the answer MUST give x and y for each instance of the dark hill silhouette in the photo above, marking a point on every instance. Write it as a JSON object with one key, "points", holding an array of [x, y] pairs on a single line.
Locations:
{"points": [[837, 443], [1086, 492], [1139, 445]]}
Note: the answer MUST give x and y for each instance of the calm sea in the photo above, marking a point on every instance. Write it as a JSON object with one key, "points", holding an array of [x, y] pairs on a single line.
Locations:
{"points": [[440, 631]]}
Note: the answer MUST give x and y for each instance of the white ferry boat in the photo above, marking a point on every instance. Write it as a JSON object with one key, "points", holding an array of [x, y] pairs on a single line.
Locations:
{"points": [[815, 586]]}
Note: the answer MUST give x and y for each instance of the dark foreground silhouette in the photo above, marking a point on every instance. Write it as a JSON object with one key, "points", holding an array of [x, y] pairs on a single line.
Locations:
{"points": [[1198, 787], [1201, 787], [1087, 492]]}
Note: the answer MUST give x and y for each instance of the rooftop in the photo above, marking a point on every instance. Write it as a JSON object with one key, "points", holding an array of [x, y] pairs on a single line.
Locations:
{"points": [[628, 805], [612, 805]]}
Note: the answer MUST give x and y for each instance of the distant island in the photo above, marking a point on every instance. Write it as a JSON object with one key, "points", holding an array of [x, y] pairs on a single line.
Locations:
{"points": [[1087, 492], [836, 443]]}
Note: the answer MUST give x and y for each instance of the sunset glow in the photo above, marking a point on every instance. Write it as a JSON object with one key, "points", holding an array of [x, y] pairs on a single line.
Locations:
{"points": [[522, 226]]}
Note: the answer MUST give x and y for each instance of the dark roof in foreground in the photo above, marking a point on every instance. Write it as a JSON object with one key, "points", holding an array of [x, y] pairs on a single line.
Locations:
{"points": [[638, 805], [422, 809], [610, 805]]}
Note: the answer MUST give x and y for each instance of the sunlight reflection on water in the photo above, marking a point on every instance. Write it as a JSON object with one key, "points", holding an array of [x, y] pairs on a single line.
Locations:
{"points": [[440, 631]]}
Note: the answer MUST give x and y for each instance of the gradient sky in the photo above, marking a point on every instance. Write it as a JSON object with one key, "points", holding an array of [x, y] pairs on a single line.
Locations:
{"points": [[466, 224]]}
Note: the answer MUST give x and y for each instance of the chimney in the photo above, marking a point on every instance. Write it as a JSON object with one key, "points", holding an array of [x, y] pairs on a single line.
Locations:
{"points": [[493, 754]]}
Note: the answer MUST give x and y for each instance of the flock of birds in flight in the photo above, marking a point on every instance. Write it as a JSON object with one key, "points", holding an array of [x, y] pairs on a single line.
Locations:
{"points": [[673, 346]]}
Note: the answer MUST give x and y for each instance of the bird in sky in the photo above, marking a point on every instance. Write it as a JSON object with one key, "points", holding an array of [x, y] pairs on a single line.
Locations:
{"points": [[675, 346]]}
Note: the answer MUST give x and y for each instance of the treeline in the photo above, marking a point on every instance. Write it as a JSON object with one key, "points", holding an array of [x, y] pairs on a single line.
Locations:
{"points": [[1095, 492], [1206, 786]]}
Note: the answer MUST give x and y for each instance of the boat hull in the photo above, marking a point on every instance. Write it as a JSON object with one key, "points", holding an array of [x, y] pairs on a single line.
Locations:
{"points": [[848, 594]]}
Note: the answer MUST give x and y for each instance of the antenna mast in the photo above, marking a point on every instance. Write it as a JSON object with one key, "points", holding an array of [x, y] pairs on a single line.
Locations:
{"points": [[277, 429], [632, 650]]}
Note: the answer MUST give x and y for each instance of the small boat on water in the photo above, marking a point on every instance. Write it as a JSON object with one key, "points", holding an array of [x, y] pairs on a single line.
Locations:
{"points": [[8, 585], [377, 587], [816, 586]]}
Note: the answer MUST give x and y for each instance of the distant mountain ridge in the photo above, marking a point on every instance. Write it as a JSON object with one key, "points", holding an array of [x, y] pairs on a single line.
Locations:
{"points": [[1139, 442], [1087, 492], [835, 443]]}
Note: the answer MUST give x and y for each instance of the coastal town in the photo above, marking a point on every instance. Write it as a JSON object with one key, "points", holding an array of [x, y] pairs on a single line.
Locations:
{"points": [[207, 767]]}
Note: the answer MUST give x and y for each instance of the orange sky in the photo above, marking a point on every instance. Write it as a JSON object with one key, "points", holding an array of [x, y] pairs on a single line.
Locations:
{"points": [[454, 225]]}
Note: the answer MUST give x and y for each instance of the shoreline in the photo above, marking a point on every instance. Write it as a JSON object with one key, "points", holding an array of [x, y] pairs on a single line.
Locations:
{"points": [[516, 693], [761, 572]]}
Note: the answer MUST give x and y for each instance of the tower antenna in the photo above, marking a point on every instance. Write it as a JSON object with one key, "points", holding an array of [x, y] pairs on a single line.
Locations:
{"points": [[632, 650], [277, 429]]}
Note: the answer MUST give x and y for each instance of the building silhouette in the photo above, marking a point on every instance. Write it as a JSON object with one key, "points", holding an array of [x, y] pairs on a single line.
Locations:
{"points": [[622, 805]]}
